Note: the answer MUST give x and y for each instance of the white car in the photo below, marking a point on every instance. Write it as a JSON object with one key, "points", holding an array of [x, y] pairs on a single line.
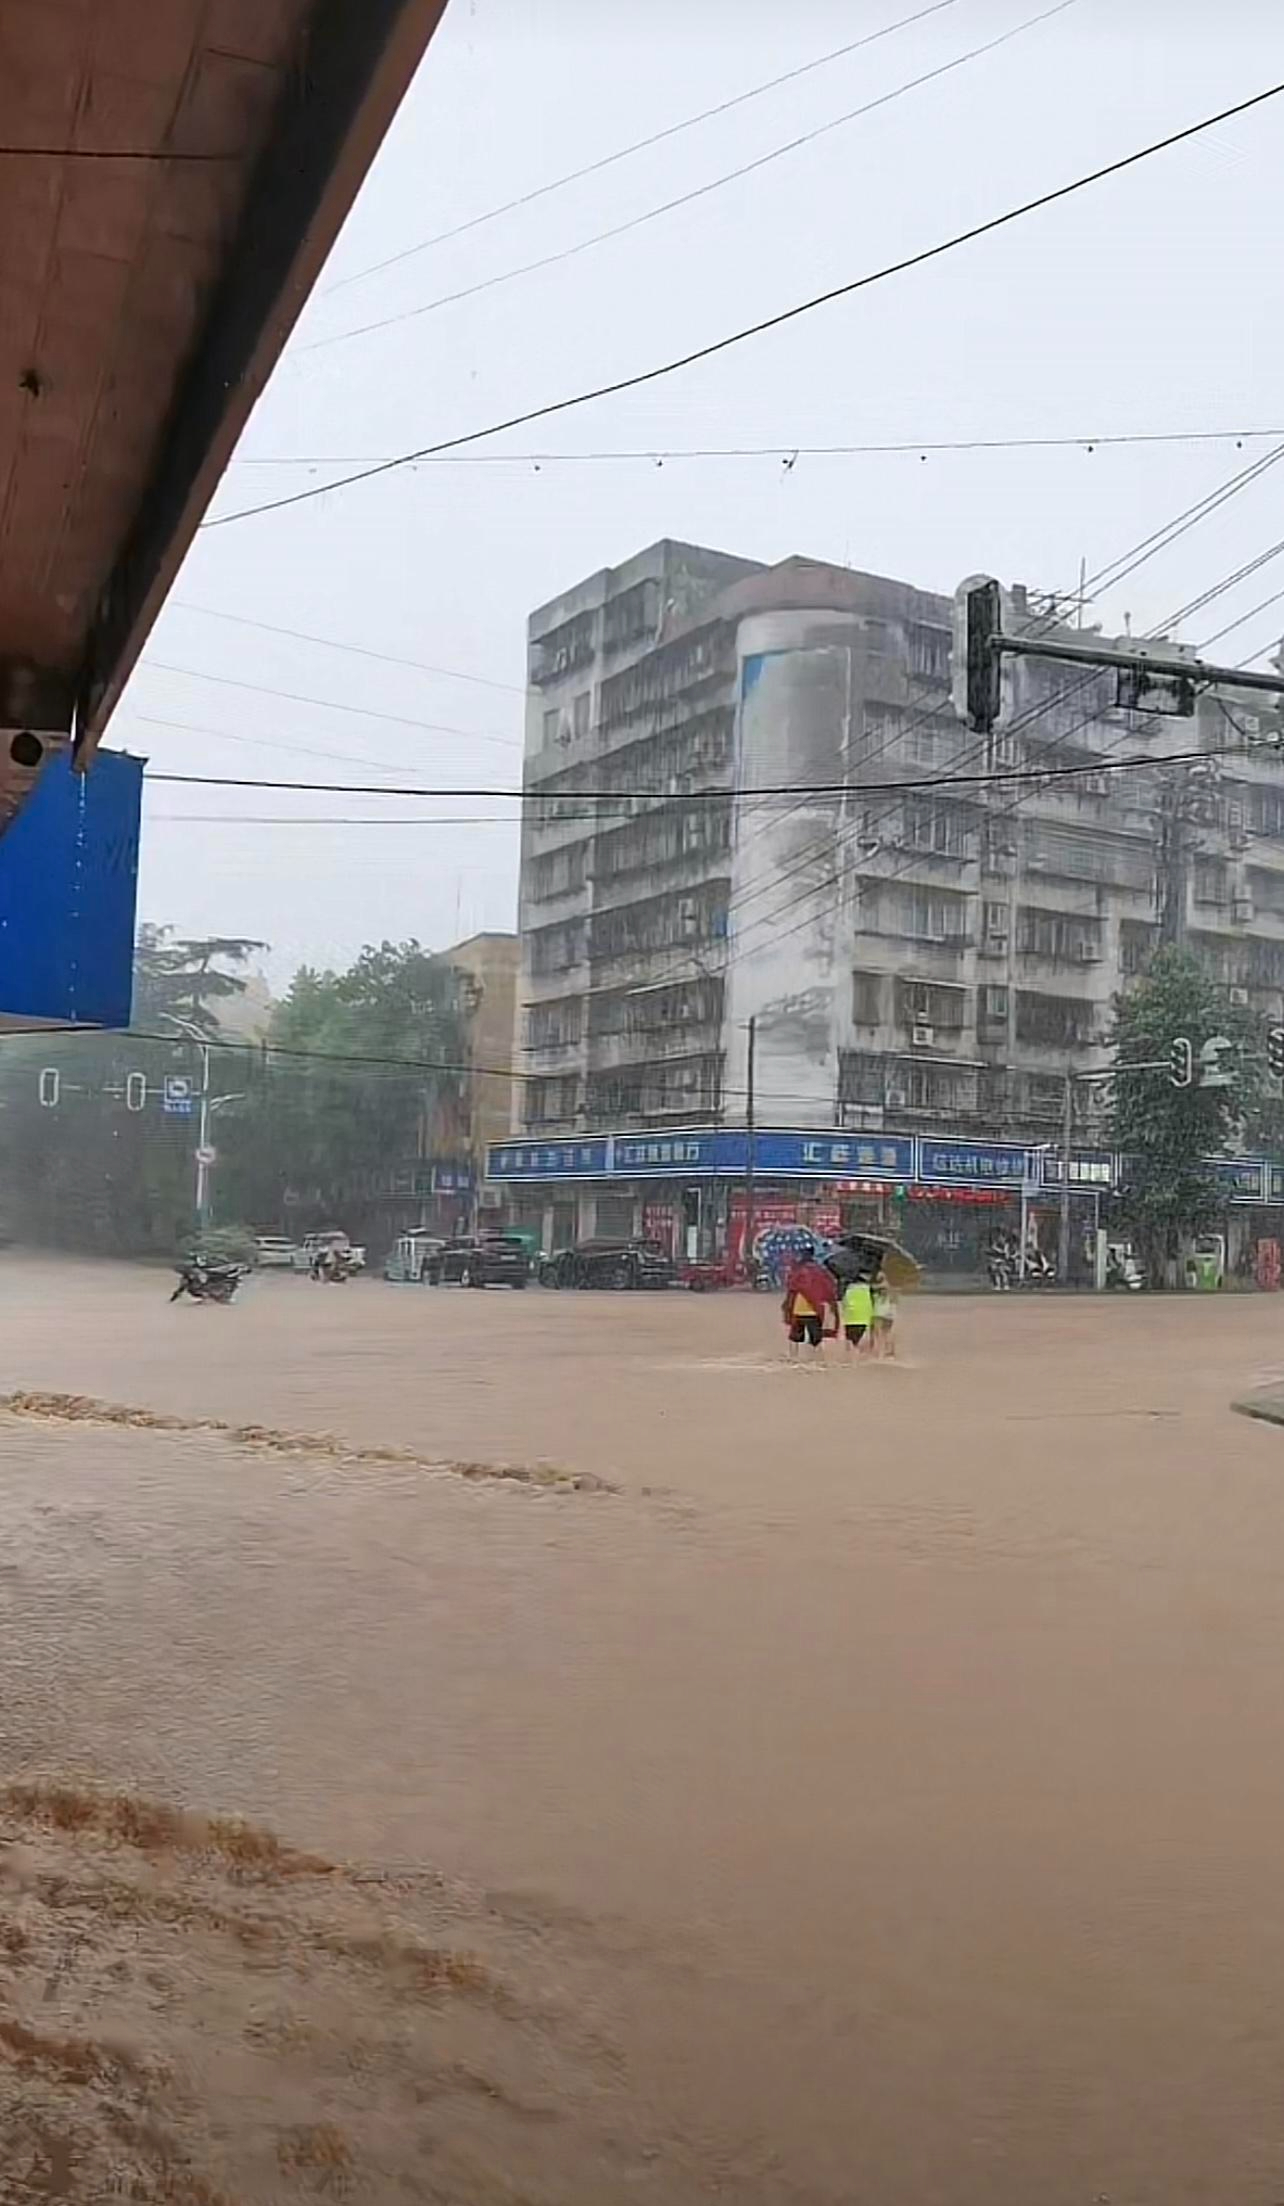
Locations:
{"points": [[273, 1251], [411, 1259], [305, 1255]]}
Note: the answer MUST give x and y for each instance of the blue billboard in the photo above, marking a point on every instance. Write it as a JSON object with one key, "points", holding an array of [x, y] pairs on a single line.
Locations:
{"points": [[925, 1160], [971, 1163], [68, 882], [719, 1151]]}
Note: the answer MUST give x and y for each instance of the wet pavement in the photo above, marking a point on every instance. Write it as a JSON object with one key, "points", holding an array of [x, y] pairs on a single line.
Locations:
{"points": [[877, 1784]]}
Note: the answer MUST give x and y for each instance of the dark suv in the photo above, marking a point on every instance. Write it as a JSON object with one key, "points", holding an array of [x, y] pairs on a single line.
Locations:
{"points": [[621, 1264], [488, 1260]]}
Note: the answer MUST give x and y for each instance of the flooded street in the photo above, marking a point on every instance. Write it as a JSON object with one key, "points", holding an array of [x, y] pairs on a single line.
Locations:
{"points": [[869, 1790]]}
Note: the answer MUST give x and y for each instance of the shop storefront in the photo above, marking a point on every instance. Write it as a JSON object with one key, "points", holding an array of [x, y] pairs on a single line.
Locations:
{"points": [[945, 1199]]}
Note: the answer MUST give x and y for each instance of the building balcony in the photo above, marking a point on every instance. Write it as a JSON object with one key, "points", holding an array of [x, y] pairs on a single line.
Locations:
{"points": [[606, 1051]]}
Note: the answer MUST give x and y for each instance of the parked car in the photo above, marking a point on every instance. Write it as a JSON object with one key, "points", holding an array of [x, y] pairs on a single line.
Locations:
{"points": [[304, 1257], [273, 1251], [481, 1260], [619, 1264], [411, 1259]]}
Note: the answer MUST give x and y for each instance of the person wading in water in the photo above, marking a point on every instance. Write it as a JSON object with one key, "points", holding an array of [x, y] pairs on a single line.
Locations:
{"points": [[810, 1306]]}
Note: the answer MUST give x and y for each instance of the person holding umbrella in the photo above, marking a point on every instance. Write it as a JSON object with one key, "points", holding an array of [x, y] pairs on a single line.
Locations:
{"points": [[810, 1304]]}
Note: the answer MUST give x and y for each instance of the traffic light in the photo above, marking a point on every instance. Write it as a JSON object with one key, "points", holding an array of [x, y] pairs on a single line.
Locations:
{"points": [[984, 668], [1181, 1062], [1275, 1051], [1212, 1072]]}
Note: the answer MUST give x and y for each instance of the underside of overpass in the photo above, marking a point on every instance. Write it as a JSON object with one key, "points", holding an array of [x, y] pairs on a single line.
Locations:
{"points": [[172, 176]]}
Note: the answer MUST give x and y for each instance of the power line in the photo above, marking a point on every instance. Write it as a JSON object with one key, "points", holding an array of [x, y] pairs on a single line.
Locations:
{"points": [[660, 455], [683, 199], [837, 789], [1157, 541], [820, 848], [356, 650], [1243, 620], [639, 145], [332, 704], [759, 328], [269, 743], [340, 819]]}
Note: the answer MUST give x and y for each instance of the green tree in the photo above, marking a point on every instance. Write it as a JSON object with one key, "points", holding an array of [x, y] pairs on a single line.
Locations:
{"points": [[314, 1142], [1167, 1134], [87, 1172], [177, 976]]}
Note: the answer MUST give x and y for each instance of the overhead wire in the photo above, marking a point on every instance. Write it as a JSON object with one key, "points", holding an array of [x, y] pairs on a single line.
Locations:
{"points": [[639, 145], [353, 650], [682, 199], [658, 455], [785, 315], [332, 704]]}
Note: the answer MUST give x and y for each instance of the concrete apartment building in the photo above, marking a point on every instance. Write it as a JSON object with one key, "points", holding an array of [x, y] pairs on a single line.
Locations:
{"points": [[911, 960]]}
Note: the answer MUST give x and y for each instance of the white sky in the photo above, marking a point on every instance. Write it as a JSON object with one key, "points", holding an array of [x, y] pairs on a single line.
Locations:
{"points": [[1149, 303]]}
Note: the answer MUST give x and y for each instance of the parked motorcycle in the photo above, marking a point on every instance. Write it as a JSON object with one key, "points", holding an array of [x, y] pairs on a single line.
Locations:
{"points": [[1122, 1269], [207, 1279]]}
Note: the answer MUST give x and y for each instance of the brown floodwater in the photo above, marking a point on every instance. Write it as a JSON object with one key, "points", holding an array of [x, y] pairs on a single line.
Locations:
{"points": [[870, 1792]]}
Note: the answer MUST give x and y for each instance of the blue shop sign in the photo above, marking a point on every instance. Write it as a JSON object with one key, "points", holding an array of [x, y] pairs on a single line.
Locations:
{"points": [[550, 1160], [1092, 1171], [970, 1164], [642, 1156], [830, 1156], [1243, 1179]]}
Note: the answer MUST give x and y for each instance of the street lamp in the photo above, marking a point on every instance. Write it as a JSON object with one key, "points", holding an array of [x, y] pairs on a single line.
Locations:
{"points": [[209, 1104]]}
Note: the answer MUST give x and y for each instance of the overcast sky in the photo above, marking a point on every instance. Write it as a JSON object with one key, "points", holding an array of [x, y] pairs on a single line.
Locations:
{"points": [[1149, 303]]}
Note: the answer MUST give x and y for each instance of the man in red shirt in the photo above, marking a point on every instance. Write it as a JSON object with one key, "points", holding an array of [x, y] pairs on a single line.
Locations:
{"points": [[810, 1306]]}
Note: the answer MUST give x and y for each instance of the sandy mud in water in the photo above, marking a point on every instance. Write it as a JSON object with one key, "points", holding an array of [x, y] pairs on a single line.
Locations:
{"points": [[874, 1799]]}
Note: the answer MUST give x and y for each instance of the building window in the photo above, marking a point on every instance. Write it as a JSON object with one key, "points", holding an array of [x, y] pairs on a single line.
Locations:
{"points": [[867, 999], [552, 720], [1266, 811], [581, 714], [928, 651], [935, 918], [933, 1004], [1067, 938], [926, 1087], [994, 1007], [1212, 881], [1136, 946], [555, 1025], [945, 830], [1062, 1022]]}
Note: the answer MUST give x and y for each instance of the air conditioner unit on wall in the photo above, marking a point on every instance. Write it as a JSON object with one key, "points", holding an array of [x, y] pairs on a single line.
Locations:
{"points": [[1239, 995], [1241, 910], [922, 1035]]}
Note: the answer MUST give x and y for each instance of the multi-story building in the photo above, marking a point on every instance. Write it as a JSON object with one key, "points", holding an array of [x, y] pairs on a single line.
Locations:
{"points": [[489, 964], [910, 957]]}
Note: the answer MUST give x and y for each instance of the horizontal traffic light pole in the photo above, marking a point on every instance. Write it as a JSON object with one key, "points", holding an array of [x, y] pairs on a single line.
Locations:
{"points": [[1153, 681], [1198, 672]]}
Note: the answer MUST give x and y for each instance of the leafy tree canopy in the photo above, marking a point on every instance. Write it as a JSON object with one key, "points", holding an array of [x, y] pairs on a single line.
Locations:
{"points": [[1165, 1133]]}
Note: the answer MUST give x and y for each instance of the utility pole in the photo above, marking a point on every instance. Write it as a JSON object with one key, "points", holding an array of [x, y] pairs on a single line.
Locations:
{"points": [[1174, 855], [208, 1105], [1067, 1136], [751, 1158]]}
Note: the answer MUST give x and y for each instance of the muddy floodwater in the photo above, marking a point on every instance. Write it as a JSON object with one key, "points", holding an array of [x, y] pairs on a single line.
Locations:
{"points": [[797, 1788]]}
